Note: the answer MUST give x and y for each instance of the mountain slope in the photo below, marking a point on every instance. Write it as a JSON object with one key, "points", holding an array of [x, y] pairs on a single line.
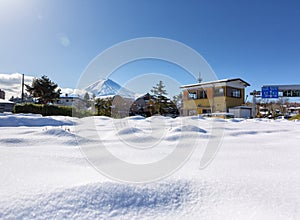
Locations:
{"points": [[107, 87]]}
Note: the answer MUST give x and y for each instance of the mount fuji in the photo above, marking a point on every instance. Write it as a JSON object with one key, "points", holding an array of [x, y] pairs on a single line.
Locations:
{"points": [[108, 88]]}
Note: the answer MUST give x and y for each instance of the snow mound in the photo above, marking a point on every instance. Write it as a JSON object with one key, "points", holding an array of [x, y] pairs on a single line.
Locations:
{"points": [[217, 119], [188, 128], [197, 117], [32, 120], [237, 119], [256, 132], [159, 117], [129, 130], [12, 141], [102, 201], [103, 118], [58, 132], [137, 117], [173, 137]]}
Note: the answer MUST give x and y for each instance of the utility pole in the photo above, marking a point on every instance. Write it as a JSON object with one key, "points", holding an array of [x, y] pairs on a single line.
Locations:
{"points": [[22, 95], [254, 95], [254, 104]]}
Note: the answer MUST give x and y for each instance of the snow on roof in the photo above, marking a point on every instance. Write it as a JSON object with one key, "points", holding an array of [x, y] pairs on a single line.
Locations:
{"points": [[294, 108], [216, 81], [69, 96], [242, 107]]}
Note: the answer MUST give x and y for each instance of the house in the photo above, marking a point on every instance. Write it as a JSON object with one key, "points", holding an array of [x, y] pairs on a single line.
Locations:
{"points": [[67, 100], [148, 105], [6, 106], [214, 96]]}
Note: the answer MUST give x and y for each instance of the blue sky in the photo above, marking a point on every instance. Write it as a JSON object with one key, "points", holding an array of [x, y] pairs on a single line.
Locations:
{"points": [[258, 41]]}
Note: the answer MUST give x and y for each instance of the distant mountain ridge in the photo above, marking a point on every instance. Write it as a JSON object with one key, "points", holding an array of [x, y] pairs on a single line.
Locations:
{"points": [[107, 88]]}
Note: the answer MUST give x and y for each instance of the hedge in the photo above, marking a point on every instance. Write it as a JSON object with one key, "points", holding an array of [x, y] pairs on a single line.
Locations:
{"points": [[295, 117], [45, 110]]}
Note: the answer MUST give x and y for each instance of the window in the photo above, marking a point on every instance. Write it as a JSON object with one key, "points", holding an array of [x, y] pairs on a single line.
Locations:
{"points": [[206, 111], [236, 93], [219, 91], [192, 95], [233, 92], [202, 94]]}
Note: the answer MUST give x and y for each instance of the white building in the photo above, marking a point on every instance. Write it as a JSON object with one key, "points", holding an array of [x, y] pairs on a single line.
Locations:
{"points": [[67, 100], [241, 111]]}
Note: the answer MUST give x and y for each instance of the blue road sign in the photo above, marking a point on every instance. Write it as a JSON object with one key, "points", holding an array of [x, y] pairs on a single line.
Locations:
{"points": [[269, 92]]}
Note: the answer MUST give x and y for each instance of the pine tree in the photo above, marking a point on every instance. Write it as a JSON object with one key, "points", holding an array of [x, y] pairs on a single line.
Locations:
{"points": [[44, 90], [86, 99], [103, 107], [159, 89]]}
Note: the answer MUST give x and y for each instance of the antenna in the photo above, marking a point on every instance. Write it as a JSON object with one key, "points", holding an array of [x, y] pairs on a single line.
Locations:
{"points": [[200, 78]]}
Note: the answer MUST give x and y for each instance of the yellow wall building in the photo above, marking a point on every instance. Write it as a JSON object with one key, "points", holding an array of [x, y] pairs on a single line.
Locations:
{"points": [[213, 96]]}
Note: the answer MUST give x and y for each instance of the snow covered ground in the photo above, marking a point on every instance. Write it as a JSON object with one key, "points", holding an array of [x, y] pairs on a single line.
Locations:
{"points": [[45, 175]]}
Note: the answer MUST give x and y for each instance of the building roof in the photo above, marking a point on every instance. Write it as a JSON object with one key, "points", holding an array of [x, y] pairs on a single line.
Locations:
{"points": [[216, 81], [72, 96]]}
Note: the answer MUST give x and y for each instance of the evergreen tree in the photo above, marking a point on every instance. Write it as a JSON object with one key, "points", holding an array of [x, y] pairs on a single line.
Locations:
{"points": [[44, 90], [103, 107], [86, 97], [87, 100], [159, 89]]}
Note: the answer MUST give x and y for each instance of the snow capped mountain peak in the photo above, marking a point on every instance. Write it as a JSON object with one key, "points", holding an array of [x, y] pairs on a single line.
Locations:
{"points": [[107, 88]]}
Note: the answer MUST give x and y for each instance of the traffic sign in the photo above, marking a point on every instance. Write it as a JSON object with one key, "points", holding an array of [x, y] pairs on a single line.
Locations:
{"points": [[256, 93], [269, 92]]}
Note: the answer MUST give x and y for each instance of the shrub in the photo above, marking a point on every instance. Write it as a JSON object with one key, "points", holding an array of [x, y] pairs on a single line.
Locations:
{"points": [[295, 117]]}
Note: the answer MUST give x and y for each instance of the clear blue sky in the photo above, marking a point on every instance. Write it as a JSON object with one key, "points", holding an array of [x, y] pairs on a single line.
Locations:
{"points": [[258, 41]]}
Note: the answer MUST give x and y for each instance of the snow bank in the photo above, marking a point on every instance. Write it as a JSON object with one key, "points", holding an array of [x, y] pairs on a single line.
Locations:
{"points": [[31, 120], [102, 201], [129, 130], [188, 128]]}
